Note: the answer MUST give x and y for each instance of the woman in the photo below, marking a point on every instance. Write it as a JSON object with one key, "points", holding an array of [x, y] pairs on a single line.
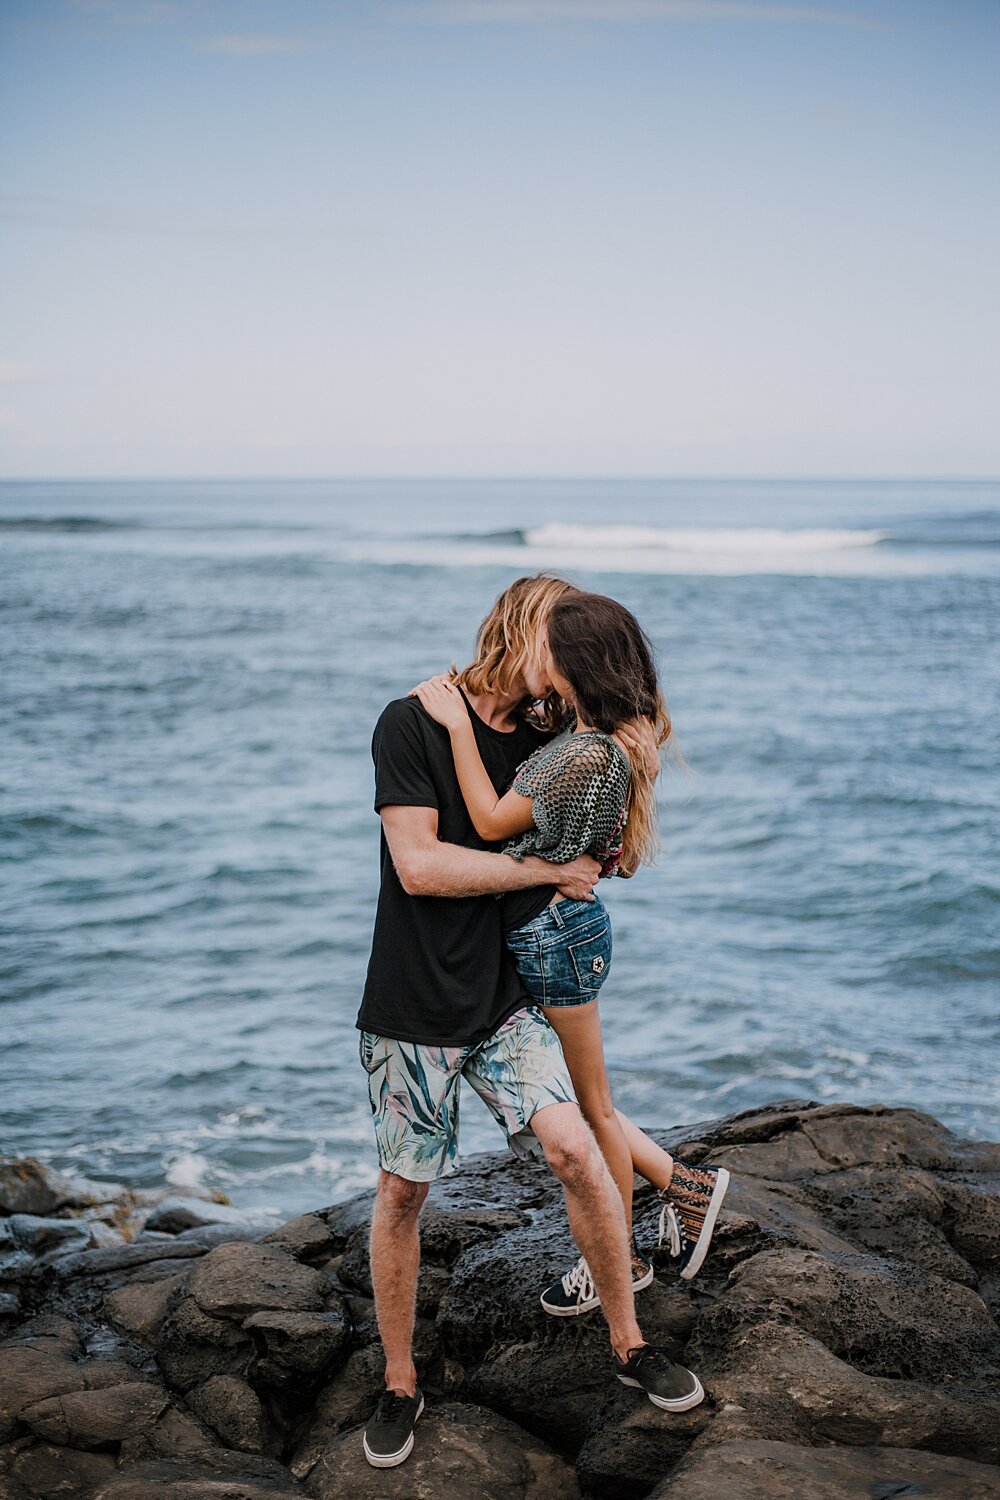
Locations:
{"points": [[581, 793]]}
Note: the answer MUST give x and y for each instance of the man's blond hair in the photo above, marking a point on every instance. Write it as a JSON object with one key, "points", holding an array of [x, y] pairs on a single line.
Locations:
{"points": [[507, 640]]}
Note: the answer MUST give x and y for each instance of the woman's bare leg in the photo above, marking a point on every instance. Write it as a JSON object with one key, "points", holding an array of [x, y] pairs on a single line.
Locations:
{"points": [[578, 1028], [648, 1159]]}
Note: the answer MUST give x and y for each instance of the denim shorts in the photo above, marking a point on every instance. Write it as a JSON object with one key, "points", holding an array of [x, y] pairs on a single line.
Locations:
{"points": [[564, 954]]}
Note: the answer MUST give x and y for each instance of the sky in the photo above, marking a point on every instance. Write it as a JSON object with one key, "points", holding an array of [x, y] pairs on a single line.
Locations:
{"points": [[499, 237]]}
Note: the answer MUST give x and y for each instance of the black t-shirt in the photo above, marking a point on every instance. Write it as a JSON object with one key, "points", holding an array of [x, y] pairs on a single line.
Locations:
{"points": [[439, 971], [519, 907]]}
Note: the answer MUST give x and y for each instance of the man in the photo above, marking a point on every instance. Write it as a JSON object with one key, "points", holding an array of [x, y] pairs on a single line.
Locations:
{"points": [[442, 1001]]}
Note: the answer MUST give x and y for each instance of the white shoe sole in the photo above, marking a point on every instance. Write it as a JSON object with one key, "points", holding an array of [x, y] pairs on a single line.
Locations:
{"points": [[697, 1260], [570, 1312], [670, 1403], [644, 1282], [390, 1460], [585, 1307]]}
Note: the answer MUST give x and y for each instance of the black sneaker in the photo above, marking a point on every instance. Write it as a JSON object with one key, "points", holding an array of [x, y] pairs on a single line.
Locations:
{"points": [[389, 1434], [666, 1384], [691, 1200], [575, 1293]]}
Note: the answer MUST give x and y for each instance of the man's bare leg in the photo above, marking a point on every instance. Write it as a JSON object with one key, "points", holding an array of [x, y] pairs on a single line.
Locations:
{"points": [[596, 1215], [394, 1248]]}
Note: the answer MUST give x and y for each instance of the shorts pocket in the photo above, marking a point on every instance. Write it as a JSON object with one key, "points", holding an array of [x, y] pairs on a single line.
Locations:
{"points": [[591, 958], [371, 1050]]}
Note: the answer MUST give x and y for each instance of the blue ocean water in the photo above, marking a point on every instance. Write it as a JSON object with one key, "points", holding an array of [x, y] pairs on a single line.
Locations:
{"points": [[191, 672]]}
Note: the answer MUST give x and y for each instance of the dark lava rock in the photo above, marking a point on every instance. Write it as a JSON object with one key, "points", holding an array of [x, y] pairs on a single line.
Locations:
{"points": [[349, 1400], [782, 1471], [114, 1259], [462, 1451], [309, 1238], [175, 1214], [444, 1235], [233, 1411], [30, 1373], [47, 1238], [140, 1308], [27, 1186], [215, 1475], [630, 1445], [777, 1379], [177, 1433], [191, 1345], [210, 1235], [295, 1349], [237, 1279], [844, 1327], [885, 1316], [55, 1472], [96, 1418]]}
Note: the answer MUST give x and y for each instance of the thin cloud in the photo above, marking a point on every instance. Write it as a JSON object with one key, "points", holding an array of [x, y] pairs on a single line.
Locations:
{"points": [[98, 218], [539, 12], [161, 12], [253, 44]]}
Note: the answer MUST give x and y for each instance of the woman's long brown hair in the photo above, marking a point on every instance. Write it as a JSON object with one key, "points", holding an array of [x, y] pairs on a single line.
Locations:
{"points": [[605, 655]]}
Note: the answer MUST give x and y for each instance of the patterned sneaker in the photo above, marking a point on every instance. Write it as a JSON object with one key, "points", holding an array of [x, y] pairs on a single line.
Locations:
{"points": [[666, 1384], [691, 1203], [389, 1435], [575, 1293]]}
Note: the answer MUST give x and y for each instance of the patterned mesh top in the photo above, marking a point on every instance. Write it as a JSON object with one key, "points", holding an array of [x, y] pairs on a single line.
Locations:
{"points": [[579, 783]]}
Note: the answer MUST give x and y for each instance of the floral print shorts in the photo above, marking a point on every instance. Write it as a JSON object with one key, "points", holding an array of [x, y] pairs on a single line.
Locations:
{"points": [[414, 1092]]}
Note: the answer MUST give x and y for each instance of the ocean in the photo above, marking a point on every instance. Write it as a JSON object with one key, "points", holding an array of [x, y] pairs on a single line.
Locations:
{"points": [[189, 856]]}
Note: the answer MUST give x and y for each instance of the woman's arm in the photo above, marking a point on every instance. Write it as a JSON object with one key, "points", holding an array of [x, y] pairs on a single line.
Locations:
{"points": [[493, 817]]}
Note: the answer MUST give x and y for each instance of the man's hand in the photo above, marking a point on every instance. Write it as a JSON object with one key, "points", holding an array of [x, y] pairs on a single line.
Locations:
{"points": [[637, 738], [578, 878]]}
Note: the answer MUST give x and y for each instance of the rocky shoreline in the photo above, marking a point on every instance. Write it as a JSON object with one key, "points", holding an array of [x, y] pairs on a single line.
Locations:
{"points": [[844, 1326]]}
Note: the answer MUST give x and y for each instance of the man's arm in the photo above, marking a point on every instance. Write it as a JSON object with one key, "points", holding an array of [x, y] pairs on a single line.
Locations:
{"points": [[427, 867]]}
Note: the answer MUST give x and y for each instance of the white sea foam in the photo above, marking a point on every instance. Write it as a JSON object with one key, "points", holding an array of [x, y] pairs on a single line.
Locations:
{"points": [[188, 1170], [732, 541], [720, 551]]}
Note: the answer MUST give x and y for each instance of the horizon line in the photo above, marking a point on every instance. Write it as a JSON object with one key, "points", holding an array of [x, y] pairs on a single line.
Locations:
{"points": [[509, 478]]}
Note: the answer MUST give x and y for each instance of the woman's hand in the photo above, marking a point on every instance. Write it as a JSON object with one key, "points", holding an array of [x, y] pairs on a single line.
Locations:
{"points": [[443, 701], [638, 740]]}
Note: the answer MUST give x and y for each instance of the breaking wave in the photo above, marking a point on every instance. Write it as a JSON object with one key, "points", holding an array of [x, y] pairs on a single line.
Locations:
{"points": [[731, 541]]}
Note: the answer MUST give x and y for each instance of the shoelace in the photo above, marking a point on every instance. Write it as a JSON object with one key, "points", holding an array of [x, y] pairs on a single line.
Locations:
{"points": [[579, 1280], [391, 1405], [641, 1354], [670, 1228]]}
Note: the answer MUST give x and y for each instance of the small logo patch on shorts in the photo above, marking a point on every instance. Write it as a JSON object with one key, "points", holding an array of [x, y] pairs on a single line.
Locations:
{"points": [[598, 965]]}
